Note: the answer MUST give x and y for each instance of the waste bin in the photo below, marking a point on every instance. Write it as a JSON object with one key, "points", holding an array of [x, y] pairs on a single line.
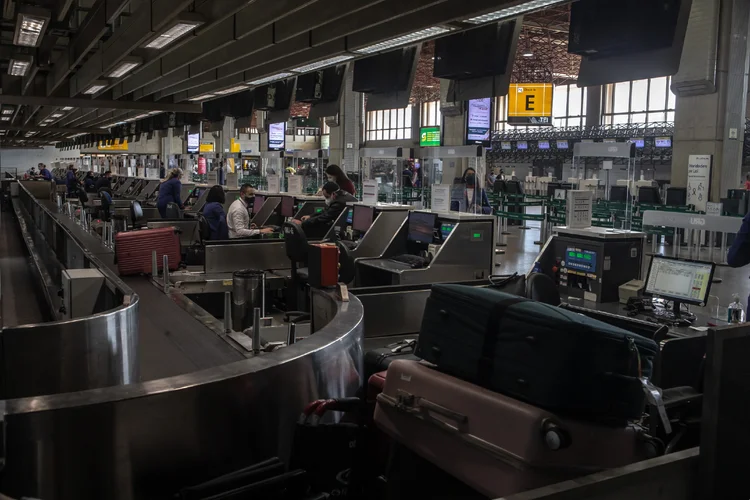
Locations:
{"points": [[247, 294]]}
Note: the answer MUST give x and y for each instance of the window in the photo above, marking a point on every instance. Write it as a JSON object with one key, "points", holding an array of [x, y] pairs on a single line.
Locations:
{"points": [[640, 101], [568, 109], [389, 124], [430, 114]]}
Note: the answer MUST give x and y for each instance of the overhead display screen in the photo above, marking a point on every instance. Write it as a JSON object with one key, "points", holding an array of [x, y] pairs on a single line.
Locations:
{"points": [[639, 142], [193, 143], [505, 145], [562, 144], [663, 142], [276, 136], [530, 104], [429, 136], [479, 121], [522, 145], [543, 144]]}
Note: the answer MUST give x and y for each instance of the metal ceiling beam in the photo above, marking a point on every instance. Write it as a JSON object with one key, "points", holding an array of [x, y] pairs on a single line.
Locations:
{"points": [[54, 129], [20, 100]]}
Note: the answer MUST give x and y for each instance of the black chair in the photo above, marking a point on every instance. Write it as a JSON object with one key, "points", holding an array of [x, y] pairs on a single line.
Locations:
{"points": [[499, 186], [106, 207], [346, 263], [542, 288], [204, 229], [173, 211], [295, 245]]}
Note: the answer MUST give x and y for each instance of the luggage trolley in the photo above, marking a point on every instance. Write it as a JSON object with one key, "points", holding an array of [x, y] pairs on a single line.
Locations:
{"points": [[386, 166]]}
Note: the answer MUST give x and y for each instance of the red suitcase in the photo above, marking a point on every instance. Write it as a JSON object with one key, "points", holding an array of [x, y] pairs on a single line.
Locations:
{"points": [[133, 249], [495, 444]]}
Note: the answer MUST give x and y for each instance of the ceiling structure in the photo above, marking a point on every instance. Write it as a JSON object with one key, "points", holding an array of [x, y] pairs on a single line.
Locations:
{"points": [[71, 67]]}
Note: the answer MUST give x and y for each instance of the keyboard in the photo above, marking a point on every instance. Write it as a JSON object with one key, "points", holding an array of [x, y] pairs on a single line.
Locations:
{"points": [[413, 261]]}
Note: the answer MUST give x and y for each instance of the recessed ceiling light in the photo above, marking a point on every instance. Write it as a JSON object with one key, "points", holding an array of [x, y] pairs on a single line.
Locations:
{"points": [[56, 115], [514, 11], [19, 65], [67, 108], [95, 87], [30, 25], [238, 88], [5, 118], [8, 111], [179, 28], [268, 79], [322, 64], [201, 97], [403, 40], [528, 54], [125, 66]]}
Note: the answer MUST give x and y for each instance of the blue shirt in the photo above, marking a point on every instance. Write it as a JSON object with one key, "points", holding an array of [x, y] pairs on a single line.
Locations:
{"points": [[89, 183], [217, 220], [46, 174], [169, 191], [71, 181], [739, 252]]}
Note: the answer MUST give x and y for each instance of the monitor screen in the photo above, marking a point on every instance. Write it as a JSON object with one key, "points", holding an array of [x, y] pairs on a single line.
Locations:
{"points": [[276, 136], [639, 142], [349, 215], [363, 217], [543, 144], [287, 206], [479, 121], [429, 136], [446, 230], [562, 144], [193, 143], [522, 145], [505, 145], [258, 202], [663, 142], [681, 280], [421, 227]]}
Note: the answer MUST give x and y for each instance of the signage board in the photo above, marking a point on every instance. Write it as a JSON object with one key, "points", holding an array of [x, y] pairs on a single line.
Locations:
{"points": [[441, 198], [234, 145], [206, 147], [530, 104], [273, 183], [429, 136], [201, 166], [294, 184], [698, 181], [579, 209], [276, 136], [193, 143], [117, 145], [370, 192], [479, 121]]}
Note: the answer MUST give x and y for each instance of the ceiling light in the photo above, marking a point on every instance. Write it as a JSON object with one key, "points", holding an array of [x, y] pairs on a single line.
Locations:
{"points": [[5, 118], [95, 87], [528, 54], [322, 64], [238, 88], [268, 79], [30, 25], [56, 115], [8, 111], [67, 108], [201, 97], [403, 40], [514, 11], [29, 134], [180, 27], [138, 117], [125, 66], [19, 65]]}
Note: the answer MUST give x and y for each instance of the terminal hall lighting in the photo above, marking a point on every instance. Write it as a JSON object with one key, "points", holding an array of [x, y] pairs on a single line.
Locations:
{"points": [[7, 111], [201, 97], [67, 108], [56, 115], [268, 79], [180, 27], [30, 25], [96, 86], [125, 66], [322, 64], [232, 90], [514, 11], [403, 40], [19, 65]]}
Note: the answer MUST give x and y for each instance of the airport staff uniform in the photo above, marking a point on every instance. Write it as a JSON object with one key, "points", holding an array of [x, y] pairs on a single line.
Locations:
{"points": [[238, 220]]}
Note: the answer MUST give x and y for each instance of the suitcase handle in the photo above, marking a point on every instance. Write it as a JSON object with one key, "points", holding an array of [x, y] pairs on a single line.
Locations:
{"points": [[415, 404]]}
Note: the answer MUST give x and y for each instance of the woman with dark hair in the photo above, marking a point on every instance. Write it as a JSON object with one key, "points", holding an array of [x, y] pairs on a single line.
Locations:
{"points": [[335, 174], [475, 198], [214, 213]]}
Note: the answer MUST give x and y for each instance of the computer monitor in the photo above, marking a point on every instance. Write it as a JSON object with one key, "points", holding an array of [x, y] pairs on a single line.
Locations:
{"points": [[618, 193], [363, 217], [446, 230], [287, 206], [681, 281], [649, 194], [258, 203], [420, 227], [349, 215]]}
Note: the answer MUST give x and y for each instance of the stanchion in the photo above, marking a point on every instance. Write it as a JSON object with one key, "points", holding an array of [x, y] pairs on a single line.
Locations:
{"points": [[227, 312], [711, 246], [499, 228], [676, 245], [165, 263], [154, 265]]}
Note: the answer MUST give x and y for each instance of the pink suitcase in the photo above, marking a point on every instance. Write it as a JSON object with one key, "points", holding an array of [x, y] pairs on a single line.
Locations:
{"points": [[495, 444], [133, 249]]}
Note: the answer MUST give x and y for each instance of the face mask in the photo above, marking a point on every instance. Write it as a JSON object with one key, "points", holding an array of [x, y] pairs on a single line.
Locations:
{"points": [[470, 179], [331, 178], [329, 201]]}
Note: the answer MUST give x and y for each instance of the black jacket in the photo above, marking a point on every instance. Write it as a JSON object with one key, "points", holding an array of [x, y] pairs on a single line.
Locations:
{"points": [[103, 182], [331, 212]]}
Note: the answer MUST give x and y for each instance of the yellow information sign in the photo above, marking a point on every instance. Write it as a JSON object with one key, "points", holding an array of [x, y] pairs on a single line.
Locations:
{"points": [[530, 103], [234, 146], [117, 145], [206, 147]]}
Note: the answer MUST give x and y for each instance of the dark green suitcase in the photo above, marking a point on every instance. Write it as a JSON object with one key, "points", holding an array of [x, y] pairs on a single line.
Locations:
{"points": [[544, 355]]}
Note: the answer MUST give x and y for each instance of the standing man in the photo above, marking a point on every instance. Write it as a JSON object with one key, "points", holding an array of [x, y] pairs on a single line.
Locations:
{"points": [[238, 217]]}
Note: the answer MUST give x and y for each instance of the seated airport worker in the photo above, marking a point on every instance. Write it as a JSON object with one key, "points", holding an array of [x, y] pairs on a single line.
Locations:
{"points": [[169, 192], [71, 181], [44, 172], [238, 218], [104, 182], [474, 201], [213, 210], [89, 183], [336, 200]]}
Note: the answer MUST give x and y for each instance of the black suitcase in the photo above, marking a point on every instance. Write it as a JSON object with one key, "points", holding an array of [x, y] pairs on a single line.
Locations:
{"points": [[377, 360], [541, 354]]}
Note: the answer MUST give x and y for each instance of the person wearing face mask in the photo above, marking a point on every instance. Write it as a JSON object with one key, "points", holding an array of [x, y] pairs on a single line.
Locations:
{"points": [[336, 200], [475, 198], [238, 217], [335, 174]]}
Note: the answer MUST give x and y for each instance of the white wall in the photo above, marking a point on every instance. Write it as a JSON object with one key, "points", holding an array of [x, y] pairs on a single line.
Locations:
{"points": [[24, 159]]}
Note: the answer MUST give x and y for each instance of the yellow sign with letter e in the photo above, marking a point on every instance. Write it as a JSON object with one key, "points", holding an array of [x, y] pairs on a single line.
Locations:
{"points": [[530, 104]]}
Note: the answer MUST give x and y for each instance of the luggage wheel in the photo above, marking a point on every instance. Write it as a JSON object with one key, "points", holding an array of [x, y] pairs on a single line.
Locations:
{"points": [[555, 437]]}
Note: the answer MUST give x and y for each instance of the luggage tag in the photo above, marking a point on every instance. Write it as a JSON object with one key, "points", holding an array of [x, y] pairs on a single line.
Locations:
{"points": [[654, 398]]}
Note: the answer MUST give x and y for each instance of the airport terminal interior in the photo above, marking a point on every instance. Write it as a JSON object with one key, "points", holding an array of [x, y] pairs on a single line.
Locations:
{"points": [[374, 250]]}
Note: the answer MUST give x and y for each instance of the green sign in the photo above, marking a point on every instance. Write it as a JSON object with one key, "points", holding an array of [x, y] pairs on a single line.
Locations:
{"points": [[429, 136]]}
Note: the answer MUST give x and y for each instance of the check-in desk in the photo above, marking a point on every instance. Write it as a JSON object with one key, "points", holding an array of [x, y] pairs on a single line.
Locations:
{"points": [[368, 230]]}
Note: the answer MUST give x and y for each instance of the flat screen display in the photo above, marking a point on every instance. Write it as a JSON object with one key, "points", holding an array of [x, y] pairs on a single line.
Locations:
{"points": [[522, 145], [287, 206], [505, 145], [543, 144], [562, 144], [663, 142], [681, 280], [429, 136], [349, 215], [193, 143], [258, 202], [639, 142], [363, 217], [421, 227], [276, 136], [479, 121]]}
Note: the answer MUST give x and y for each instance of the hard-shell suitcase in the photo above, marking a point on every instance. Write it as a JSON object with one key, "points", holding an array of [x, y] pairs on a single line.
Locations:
{"points": [[493, 443], [377, 360], [133, 249], [541, 354]]}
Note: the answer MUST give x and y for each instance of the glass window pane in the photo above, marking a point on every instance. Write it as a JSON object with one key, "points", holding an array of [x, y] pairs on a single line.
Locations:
{"points": [[400, 118], [574, 101], [619, 119], [378, 120], [407, 133], [574, 122], [671, 100], [379, 135], [608, 119], [559, 122], [640, 93], [559, 100], [584, 92], [656, 117], [622, 97], [670, 116], [393, 133], [400, 133], [638, 118], [657, 99]]}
